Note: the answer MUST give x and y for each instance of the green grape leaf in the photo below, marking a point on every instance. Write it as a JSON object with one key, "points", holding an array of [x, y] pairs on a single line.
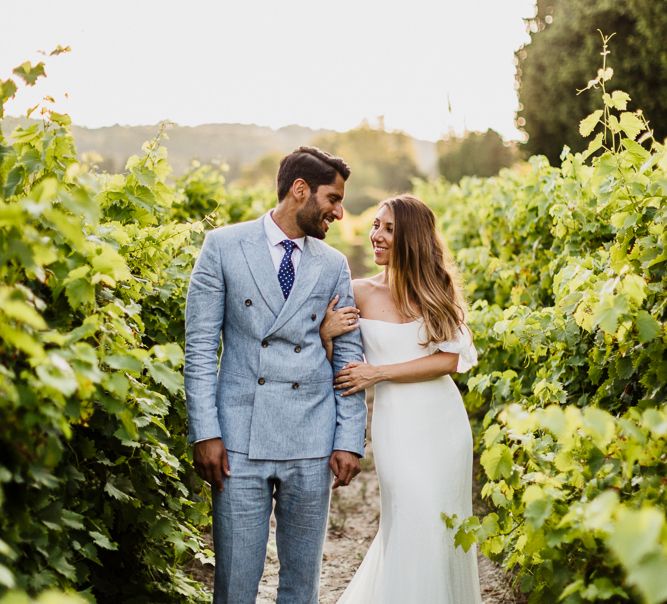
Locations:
{"points": [[539, 505], [124, 362], [171, 353], [117, 384], [61, 563], [57, 373], [109, 262], [647, 327], [593, 146], [587, 125], [656, 421], [102, 540], [80, 292], [464, 539], [602, 589], [7, 91], [129, 427], [649, 578], [58, 50], [60, 118], [116, 493], [609, 311], [57, 597], [599, 425], [29, 73], [619, 100], [170, 379], [637, 152], [636, 534], [497, 461], [20, 311], [73, 519], [13, 181], [631, 124], [7, 579]]}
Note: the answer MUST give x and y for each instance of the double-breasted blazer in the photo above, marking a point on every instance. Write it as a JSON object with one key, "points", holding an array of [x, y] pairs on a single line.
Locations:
{"points": [[271, 395]]}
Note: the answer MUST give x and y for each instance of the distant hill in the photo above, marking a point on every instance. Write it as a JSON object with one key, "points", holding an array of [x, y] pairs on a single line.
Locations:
{"points": [[237, 145]]}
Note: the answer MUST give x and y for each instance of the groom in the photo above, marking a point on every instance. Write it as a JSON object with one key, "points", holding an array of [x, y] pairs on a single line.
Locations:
{"points": [[267, 424]]}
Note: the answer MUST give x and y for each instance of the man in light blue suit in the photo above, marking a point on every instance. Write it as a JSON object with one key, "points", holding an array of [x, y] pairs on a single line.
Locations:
{"points": [[267, 424]]}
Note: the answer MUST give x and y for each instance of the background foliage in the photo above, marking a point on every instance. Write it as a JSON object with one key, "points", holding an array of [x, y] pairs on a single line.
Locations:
{"points": [[384, 163], [563, 53], [566, 275], [475, 154], [97, 494]]}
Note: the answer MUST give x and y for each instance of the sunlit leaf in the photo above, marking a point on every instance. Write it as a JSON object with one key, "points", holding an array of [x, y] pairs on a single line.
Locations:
{"points": [[631, 124], [497, 461], [587, 125], [29, 73]]}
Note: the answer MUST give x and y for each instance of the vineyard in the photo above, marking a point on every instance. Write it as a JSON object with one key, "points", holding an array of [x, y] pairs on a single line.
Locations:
{"points": [[565, 274]]}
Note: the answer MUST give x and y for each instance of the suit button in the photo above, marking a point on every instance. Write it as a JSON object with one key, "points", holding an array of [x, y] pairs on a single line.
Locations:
{"points": [[297, 348], [261, 381], [295, 386], [248, 302], [313, 317], [265, 343]]}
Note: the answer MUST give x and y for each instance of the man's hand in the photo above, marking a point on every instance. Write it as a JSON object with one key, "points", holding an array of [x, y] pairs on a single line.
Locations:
{"points": [[211, 463], [345, 466]]}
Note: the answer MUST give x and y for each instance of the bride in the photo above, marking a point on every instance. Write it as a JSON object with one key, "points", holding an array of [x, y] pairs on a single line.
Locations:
{"points": [[411, 317]]}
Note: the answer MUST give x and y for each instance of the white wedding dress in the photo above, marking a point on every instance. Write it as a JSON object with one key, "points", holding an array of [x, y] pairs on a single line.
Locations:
{"points": [[422, 444]]}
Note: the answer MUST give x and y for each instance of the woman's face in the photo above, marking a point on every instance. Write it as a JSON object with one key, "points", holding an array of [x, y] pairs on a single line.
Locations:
{"points": [[382, 235]]}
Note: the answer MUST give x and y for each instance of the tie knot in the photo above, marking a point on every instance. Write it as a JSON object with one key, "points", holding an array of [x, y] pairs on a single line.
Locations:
{"points": [[289, 245]]}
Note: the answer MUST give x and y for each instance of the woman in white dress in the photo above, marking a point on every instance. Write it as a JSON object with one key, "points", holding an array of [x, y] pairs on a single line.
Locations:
{"points": [[411, 317]]}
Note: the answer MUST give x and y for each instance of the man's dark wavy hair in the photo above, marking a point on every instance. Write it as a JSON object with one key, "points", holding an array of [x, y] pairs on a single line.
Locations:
{"points": [[315, 166]]}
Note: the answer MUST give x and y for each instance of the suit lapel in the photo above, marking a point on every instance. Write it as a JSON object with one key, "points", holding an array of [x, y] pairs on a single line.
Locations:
{"points": [[256, 251], [307, 274]]}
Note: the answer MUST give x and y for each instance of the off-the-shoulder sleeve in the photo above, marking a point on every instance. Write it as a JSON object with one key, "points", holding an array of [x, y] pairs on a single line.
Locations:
{"points": [[463, 346]]}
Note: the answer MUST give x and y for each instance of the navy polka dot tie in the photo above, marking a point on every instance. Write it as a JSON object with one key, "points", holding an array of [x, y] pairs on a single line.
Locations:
{"points": [[286, 270]]}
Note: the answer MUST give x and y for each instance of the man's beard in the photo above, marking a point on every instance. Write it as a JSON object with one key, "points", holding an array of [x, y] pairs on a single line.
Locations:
{"points": [[310, 218]]}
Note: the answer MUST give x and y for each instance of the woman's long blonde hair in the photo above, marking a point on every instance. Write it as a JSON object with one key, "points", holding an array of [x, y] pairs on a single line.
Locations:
{"points": [[423, 278]]}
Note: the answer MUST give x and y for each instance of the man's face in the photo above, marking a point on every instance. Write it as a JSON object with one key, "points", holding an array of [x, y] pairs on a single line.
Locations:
{"points": [[322, 208]]}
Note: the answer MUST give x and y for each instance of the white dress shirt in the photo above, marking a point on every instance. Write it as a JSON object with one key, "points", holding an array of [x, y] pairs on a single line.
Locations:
{"points": [[274, 235]]}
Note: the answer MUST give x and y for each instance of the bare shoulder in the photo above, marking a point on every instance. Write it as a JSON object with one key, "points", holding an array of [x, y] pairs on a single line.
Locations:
{"points": [[360, 286], [363, 288]]}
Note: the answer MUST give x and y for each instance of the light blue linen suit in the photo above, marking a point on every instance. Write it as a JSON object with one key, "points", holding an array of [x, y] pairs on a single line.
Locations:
{"points": [[271, 400]]}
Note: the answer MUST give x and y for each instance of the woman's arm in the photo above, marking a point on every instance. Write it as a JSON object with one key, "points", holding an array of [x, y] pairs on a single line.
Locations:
{"points": [[359, 376], [336, 323]]}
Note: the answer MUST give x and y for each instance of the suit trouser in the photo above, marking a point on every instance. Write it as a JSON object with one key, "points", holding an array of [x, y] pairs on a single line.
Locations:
{"points": [[241, 514]]}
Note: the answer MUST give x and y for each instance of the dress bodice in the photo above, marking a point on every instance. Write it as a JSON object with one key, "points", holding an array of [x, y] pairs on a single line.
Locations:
{"points": [[386, 343]]}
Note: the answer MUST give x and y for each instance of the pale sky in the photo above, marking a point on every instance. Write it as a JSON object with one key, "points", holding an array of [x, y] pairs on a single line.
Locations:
{"points": [[274, 63]]}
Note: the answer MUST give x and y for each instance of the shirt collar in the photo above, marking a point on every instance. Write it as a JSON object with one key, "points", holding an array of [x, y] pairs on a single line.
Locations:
{"points": [[275, 234]]}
